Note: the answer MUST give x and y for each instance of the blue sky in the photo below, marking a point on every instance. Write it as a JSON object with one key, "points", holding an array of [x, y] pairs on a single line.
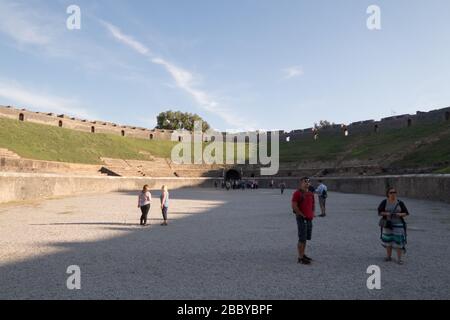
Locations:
{"points": [[247, 64]]}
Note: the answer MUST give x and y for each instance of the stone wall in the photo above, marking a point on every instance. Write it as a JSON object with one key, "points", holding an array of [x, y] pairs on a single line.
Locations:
{"points": [[38, 166], [369, 126], [83, 125], [395, 122], [435, 187], [21, 186], [27, 186]]}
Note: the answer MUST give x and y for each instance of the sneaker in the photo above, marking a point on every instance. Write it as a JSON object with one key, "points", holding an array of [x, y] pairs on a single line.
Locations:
{"points": [[307, 258], [388, 259], [303, 261]]}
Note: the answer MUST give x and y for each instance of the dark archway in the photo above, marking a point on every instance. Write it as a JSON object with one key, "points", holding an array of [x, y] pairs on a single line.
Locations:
{"points": [[60, 124], [92, 129], [151, 136], [123, 133], [21, 117], [232, 174], [409, 123], [376, 129]]}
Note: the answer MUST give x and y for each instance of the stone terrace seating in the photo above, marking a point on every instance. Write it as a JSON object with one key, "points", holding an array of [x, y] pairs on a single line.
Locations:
{"points": [[5, 153], [159, 167], [122, 168], [17, 164]]}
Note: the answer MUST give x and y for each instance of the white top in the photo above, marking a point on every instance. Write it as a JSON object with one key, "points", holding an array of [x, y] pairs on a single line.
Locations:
{"points": [[321, 188], [145, 198]]}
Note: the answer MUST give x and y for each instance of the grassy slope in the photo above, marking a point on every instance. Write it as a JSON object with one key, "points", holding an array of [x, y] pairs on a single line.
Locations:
{"points": [[43, 142], [368, 146]]}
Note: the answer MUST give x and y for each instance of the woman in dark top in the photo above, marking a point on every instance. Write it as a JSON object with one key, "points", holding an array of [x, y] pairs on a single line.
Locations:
{"points": [[144, 203], [393, 225]]}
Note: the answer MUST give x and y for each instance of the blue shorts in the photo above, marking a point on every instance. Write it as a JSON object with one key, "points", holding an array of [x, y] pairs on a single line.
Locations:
{"points": [[304, 229]]}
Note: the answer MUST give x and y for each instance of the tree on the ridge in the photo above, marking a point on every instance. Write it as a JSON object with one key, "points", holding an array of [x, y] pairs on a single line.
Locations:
{"points": [[177, 120], [323, 124]]}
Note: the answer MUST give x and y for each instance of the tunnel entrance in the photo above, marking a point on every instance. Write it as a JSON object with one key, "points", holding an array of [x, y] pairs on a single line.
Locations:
{"points": [[232, 175]]}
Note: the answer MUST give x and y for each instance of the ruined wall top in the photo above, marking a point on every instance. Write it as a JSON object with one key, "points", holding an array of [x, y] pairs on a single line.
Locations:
{"points": [[96, 126]]}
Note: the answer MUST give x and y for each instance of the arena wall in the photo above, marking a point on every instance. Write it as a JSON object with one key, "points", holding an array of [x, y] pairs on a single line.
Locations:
{"points": [[367, 126], [22, 186], [83, 125], [435, 187], [27, 186]]}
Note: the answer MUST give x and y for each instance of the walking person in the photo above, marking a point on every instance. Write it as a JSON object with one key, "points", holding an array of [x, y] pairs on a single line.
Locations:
{"points": [[164, 203], [322, 193], [282, 187], [393, 225], [303, 207], [144, 203]]}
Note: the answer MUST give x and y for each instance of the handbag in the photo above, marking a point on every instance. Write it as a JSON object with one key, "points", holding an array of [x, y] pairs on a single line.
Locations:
{"points": [[385, 222]]}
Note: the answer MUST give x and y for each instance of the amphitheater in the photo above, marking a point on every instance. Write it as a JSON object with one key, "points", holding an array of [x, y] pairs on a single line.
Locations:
{"points": [[343, 174], [219, 244]]}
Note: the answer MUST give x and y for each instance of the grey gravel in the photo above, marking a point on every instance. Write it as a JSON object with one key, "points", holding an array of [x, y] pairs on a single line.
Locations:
{"points": [[218, 245]]}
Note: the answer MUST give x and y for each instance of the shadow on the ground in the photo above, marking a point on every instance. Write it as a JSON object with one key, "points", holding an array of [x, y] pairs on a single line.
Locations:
{"points": [[141, 263]]}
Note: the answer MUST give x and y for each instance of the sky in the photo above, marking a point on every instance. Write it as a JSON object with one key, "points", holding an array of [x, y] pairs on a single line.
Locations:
{"points": [[240, 64]]}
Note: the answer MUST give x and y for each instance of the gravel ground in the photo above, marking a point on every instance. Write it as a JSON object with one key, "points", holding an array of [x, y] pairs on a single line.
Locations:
{"points": [[219, 245]]}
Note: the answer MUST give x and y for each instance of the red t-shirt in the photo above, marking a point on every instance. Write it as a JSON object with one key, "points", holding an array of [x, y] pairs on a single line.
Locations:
{"points": [[306, 205]]}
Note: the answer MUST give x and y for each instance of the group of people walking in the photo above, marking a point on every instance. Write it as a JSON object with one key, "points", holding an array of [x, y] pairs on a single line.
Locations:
{"points": [[236, 184], [145, 202], [392, 223]]}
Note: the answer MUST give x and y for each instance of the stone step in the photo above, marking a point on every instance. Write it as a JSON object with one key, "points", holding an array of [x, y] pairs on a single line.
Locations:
{"points": [[5, 153]]}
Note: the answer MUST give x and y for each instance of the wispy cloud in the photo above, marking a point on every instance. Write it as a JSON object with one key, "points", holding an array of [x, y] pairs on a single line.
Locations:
{"points": [[293, 72], [183, 78], [23, 25], [33, 98], [126, 39]]}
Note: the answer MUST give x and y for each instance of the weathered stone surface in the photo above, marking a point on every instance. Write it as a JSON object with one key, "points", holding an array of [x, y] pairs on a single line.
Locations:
{"points": [[23, 186]]}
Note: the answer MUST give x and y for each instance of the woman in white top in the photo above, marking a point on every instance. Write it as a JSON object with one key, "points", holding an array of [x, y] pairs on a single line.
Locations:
{"points": [[144, 202], [164, 203]]}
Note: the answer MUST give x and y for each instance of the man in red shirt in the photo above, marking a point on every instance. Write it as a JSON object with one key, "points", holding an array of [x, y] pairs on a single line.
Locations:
{"points": [[303, 206]]}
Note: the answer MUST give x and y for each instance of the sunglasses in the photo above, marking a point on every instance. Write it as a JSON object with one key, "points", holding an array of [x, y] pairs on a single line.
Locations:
{"points": [[393, 192]]}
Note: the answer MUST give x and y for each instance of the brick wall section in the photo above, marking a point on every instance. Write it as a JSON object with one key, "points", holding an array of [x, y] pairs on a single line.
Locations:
{"points": [[84, 125]]}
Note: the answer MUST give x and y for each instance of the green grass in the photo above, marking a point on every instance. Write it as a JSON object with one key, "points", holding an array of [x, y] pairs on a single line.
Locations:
{"points": [[443, 171], [401, 143], [323, 149], [42, 142]]}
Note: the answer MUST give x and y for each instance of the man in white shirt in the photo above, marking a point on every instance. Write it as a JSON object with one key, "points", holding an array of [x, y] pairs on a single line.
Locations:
{"points": [[322, 192]]}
